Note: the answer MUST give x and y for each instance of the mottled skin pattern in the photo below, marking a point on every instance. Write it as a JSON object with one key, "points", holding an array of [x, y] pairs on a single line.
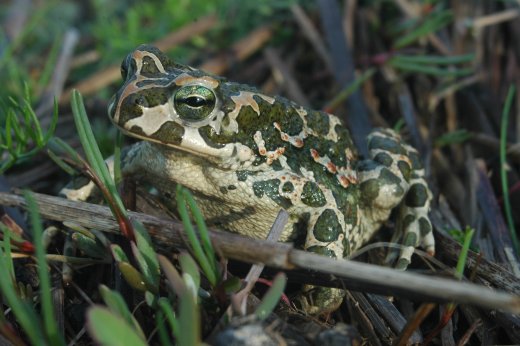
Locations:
{"points": [[245, 155]]}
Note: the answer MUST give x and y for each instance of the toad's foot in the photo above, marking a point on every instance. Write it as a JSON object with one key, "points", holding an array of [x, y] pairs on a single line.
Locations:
{"points": [[403, 184], [316, 300]]}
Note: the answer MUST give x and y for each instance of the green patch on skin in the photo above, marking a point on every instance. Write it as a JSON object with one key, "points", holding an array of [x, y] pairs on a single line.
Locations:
{"points": [[415, 160], [276, 165], [231, 187], [425, 226], [384, 158], [417, 196], [327, 227], [169, 132], [242, 175], [369, 191], [270, 189], [405, 169], [386, 177], [249, 121], [205, 133], [129, 109], [288, 187], [300, 158], [346, 247], [318, 121], [410, 239], [151, 97], [345, 138], [223, 190], [370, 188], [347, 203], [312, 195], [387, 144], [321, 250]]}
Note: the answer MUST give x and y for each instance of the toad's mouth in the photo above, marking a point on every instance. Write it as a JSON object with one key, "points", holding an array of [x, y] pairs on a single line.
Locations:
{"points": [[192, 143]]}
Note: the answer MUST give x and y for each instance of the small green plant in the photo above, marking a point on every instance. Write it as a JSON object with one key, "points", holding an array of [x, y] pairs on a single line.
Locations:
{"points": [[503, 166], [432, 65], [417, 28], [22, 136], [454, 137]]}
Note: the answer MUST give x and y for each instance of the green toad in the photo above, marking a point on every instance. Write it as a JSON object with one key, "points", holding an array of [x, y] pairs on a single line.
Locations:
{"points": [[245, 155]]}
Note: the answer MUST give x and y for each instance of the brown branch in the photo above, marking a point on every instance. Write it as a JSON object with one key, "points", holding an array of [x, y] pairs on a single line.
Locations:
{"points": [[346, 274]]}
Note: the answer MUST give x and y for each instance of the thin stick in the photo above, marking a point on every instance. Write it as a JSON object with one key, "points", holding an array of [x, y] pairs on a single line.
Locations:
{"points": [[324, 270]]}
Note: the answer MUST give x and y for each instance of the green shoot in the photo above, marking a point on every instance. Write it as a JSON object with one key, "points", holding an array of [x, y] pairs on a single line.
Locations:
{"points": [[115, 302], [203, 229], [454, 137], [49, 320], [409, 65], [22, 136], [463, 257], [272, 297], [349, 90], [503, 166], [206, 262], [434, 22], [90, 147], [108, 328]]}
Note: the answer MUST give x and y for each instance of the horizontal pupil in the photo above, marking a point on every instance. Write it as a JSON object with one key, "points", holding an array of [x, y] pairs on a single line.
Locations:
{"points": [[194, 101]]}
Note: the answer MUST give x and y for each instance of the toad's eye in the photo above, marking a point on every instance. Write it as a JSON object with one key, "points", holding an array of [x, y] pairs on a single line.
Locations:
{"points": [[194, 102]]}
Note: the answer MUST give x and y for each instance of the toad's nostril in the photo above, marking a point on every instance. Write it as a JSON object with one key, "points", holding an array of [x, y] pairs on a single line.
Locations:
{"points": [[141, 101]]}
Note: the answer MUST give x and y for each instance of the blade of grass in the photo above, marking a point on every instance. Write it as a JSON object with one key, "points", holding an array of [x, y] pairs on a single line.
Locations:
{"points": [[430, 70], [272, 297], [203, 231], [49, 319], [192, 237], [24, 313], [109, 329], [160, 322], [168, 312], [461, 263], [189, 320], [190, 274], [117, 305], [117, 158], [90, 147], [345, 93], [436, 59], [7, 251], [53, 124], [503, 166], [429, 26], [457, 136]]}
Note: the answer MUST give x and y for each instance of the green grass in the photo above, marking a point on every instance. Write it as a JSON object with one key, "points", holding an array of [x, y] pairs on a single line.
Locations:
{"points": [[22, 136], [504, 123]]}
